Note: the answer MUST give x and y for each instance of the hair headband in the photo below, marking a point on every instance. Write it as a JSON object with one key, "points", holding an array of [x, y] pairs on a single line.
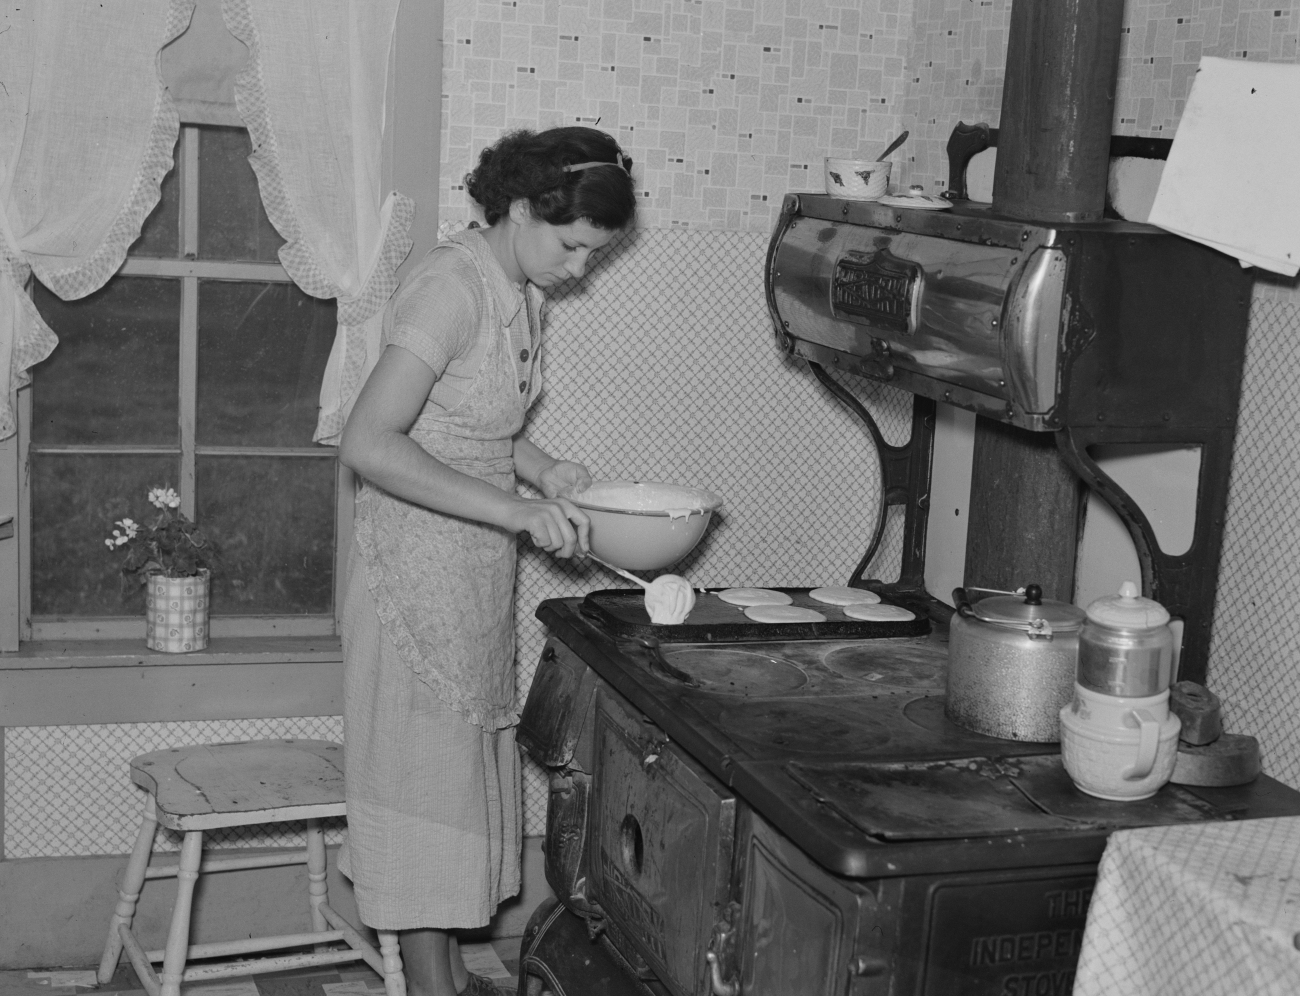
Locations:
{"points": [[573, 168]]}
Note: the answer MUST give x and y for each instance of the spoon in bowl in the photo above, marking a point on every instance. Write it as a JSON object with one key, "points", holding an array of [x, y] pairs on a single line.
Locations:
{"points": [[892, 146], [618, 570]]}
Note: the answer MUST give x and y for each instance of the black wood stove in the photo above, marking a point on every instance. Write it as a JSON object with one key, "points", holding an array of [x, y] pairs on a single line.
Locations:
{"points": [[794, 816]]}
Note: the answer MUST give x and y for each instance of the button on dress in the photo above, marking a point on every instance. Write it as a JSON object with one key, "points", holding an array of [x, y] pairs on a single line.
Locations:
{"points": [[432, 770]]}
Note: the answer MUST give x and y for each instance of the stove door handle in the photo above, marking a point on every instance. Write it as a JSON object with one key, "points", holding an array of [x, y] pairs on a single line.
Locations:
{"points": [[720, 988]]}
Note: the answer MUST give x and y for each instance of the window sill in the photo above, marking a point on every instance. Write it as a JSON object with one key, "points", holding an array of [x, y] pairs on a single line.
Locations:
{"points": [[101, 653]]}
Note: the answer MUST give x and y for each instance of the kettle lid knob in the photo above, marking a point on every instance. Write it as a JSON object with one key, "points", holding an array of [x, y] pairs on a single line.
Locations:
{"points": [[1033, 594]]}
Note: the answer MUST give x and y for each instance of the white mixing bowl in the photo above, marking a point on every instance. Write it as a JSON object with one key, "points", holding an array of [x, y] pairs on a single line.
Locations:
{"points": [[645, 525]]}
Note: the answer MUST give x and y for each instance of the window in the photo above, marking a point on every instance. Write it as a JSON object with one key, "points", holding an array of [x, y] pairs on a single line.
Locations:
{"points": [[197, 366]]}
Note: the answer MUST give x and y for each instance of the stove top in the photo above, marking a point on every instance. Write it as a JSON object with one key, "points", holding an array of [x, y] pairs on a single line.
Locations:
{"points": [[844, 745]]}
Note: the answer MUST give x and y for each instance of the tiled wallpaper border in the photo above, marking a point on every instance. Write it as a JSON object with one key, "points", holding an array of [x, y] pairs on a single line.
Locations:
{"points": [[728, 104]]}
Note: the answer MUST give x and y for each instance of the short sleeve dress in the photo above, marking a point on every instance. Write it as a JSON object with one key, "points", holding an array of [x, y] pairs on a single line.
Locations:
{"points": [[432, 770]]}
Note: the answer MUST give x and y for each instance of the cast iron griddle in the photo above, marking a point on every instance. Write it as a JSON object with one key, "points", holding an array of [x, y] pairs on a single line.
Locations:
{"points": [[621, 611]]}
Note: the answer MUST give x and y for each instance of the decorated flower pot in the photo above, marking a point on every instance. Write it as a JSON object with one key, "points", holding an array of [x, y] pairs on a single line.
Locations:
{"points": [[176, 613]]}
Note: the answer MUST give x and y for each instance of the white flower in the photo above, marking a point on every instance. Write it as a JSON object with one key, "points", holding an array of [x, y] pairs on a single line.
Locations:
{"points": [[164, 498], [131, 527], [109, 543]]}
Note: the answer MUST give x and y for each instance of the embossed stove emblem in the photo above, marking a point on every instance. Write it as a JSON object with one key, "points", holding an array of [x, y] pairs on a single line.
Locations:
{"points": [[879, 287]]}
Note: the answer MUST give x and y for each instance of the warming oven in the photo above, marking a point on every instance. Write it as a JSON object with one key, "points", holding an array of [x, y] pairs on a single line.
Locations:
{"points": [[785, 810]]}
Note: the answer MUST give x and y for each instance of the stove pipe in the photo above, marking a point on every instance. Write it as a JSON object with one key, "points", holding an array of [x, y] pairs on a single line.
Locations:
{"points": [[1058, 102]]}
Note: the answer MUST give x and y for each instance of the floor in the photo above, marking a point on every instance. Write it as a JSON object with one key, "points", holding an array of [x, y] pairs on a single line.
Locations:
{"points": [[498, 960]]}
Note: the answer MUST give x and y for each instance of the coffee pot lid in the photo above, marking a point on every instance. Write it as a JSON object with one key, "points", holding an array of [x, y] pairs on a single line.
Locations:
{"points": [[1028, 610], [1128, 610]]}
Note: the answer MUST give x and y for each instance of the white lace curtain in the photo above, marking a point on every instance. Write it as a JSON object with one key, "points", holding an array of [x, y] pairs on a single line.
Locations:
{"points": [[87, 129]]}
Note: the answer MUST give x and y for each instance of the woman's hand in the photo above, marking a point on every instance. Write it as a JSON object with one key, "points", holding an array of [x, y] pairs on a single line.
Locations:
{"points": [[556, 525], [564, 478]]}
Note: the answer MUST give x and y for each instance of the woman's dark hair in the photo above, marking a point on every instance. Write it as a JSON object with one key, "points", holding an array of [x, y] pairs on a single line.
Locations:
{"points": [[532, 165]]}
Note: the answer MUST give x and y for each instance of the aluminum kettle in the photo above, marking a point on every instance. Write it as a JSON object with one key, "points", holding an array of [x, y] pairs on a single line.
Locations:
{"points": [[1012, 658]]}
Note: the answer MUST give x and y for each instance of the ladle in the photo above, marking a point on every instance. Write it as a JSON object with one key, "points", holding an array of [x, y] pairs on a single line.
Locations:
{"points": [[892, 146], [619, 571], [665, 601]]}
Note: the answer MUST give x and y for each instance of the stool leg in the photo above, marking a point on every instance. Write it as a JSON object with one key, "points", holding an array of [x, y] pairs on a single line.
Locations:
{"points": [[178, 937], [316, 886], [128, 892], [394, 980]]}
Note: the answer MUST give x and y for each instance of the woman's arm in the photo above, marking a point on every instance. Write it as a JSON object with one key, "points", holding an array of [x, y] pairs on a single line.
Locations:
{"points": [[375, 444]]}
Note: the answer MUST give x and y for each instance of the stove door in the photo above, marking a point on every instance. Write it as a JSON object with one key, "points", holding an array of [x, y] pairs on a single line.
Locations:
{"points": [[662, 843], [803, 931]]}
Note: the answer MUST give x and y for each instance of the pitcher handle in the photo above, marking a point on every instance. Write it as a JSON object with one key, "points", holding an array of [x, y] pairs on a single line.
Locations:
{"points": [[1148, 743]]}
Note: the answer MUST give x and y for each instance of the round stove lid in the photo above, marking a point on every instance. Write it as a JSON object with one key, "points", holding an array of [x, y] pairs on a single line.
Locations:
{"points": [[1023, 611]]}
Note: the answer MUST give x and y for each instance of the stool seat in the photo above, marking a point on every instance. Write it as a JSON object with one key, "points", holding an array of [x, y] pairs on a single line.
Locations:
{"points": [[209, 786]]}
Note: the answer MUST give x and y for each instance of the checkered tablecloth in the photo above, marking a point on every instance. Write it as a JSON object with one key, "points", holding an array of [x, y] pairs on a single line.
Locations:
{"points": [[1211, 908]]}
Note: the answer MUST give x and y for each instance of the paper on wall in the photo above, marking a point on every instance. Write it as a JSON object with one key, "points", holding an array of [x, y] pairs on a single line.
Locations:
{"points": [[1229, 180]]}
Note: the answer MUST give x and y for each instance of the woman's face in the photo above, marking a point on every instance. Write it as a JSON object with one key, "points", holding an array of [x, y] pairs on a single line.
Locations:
{"points": [[548, 254]]}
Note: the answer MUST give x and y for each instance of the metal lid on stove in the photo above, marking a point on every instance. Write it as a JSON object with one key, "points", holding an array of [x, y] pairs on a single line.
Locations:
{"points": [[1028, 611]]}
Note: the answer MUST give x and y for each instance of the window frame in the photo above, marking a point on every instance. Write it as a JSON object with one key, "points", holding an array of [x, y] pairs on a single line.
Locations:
{"points": [[410, 163], [17, 625]]}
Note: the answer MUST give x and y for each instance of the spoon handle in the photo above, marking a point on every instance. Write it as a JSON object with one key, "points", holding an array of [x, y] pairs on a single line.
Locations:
{"points": [[892, 146], [619, 571]]}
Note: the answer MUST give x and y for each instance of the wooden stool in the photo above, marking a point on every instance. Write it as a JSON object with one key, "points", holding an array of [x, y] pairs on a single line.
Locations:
{"points": [[193, 789]]}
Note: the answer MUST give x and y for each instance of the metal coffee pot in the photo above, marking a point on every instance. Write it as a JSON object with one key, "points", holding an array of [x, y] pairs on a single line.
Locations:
{"points": [[1012, 658], [1119, 739], [1126, 647]]}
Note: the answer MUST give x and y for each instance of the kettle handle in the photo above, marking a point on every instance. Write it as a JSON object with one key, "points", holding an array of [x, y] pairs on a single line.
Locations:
{"points": [[961, 597], [961, 603], [1148, 742]]}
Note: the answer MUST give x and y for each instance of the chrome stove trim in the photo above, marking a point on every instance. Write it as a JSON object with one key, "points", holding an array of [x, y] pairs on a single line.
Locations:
{"points": [[1032, 332]]}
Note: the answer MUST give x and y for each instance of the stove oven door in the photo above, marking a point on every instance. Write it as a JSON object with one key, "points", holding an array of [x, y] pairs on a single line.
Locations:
{"points": [[663, 833], [803, 931]]}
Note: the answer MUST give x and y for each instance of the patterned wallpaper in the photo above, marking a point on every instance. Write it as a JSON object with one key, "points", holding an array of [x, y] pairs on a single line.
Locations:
{"points": [[726, 105]]}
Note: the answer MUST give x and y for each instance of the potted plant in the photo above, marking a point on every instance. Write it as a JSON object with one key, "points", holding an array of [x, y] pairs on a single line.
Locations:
{"points": [[172, 558]]}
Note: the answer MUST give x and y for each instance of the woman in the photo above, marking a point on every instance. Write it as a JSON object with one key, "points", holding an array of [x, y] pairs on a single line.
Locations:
{"points": [[433, 782]]}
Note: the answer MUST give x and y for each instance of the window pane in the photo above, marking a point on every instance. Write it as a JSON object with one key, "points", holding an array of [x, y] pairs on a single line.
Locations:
{"points": [[113, 377], [262, 354], [75, 501], [160, 235], [274, 521], [232, 222]]}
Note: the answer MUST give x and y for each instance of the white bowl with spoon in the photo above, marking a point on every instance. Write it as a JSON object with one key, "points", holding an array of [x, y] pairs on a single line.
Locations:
{"points": [[645, 525]]}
